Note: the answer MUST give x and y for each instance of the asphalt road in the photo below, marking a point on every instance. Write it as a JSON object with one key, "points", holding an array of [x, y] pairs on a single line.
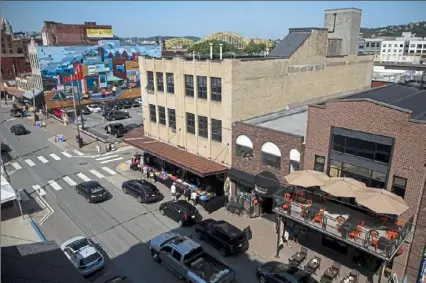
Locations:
{"points": [[121, 226]]}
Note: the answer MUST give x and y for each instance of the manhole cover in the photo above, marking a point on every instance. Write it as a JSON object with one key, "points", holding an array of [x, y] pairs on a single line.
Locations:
{"points": [[82, 163]]}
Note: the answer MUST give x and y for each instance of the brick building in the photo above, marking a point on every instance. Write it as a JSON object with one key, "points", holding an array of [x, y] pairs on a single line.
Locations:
{"points": [[89, 33], [377, 137]]}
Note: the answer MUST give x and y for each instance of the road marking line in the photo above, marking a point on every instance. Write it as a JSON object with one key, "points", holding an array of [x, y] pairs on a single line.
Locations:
{"points": [[30, 162], [39, 190], [111, 160], [54, 156], [78, 152], [83, 177], [54, 185], [106, 157], [66, 154], [112, 172], [16, 165], [42, 159], [96, 173], [69, 181]]}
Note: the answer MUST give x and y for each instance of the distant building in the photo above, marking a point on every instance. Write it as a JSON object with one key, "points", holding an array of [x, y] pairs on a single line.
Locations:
{"points": [[59, 34]]}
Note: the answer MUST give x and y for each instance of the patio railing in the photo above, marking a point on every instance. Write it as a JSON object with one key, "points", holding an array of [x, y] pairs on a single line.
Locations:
{"points": [[370, 236]]}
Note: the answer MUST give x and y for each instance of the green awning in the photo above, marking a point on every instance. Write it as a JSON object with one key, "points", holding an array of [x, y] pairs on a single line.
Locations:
{"points": [[30, 94], [114, 79]]}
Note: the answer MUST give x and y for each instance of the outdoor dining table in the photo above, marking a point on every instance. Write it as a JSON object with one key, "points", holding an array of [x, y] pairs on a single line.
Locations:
{"points": [[349, 279], [330, 274], [312, 266], [297, 259]]}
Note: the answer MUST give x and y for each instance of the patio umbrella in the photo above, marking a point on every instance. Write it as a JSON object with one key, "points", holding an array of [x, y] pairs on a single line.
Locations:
{"points": [[381, 201], [342, 187], [306, 178]]}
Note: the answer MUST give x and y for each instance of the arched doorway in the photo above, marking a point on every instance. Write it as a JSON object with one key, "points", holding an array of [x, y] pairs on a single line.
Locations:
{"points": [[266, 185], [294, 160]]}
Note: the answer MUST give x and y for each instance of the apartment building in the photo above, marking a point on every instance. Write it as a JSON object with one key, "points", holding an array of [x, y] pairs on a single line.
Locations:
{"points": [[417, 47], [392, 47]]}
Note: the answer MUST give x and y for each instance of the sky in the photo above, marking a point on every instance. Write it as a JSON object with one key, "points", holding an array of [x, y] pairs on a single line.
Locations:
{"points": [[253, 19]]}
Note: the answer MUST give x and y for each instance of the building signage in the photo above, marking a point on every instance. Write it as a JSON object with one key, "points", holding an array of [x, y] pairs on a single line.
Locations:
{"points": [[94, 69], [260, 190], [422, 270], [132, 65], [99, 33]]}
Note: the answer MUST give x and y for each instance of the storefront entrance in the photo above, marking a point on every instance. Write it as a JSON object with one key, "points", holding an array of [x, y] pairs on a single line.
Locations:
{"points": [[266, 185]]}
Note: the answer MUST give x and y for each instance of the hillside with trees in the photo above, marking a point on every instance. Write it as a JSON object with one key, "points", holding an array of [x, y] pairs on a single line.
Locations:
{"points": [[418, 28]]}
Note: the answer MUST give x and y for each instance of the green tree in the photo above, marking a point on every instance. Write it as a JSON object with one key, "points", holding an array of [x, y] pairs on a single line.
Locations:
{"points": [[253, 47], [204, 47]]}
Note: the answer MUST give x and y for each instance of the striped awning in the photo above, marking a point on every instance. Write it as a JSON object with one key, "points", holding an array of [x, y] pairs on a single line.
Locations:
{"points": [[30, 94]]}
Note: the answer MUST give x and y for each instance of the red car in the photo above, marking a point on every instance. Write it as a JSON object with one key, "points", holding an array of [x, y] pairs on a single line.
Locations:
{"points": [[57, 112]]}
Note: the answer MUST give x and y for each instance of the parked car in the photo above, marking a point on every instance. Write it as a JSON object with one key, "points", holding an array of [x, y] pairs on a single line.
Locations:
{"points": [[18, 129], [137, 102], [84, 110], [225, 237], [188, 260], [125, 104], [116, 115], [180, 211], [278, 272], [83, 254], [142, 190], [57, 113], [115, 129], [94, 108], [92, 191]]}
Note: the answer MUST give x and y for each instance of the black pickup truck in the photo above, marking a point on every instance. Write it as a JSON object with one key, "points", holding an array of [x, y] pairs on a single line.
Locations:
{"points": [[225, 237], [115, 129]]}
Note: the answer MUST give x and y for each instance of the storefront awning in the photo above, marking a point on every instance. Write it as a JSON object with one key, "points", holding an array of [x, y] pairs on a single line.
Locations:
{"points": [[188, 161], [266, 184], [241, 177], [30, 94], [113, 79], [16, 93]]}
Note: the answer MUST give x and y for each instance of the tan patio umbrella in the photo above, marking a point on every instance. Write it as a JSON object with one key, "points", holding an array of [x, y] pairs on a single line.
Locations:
{"points": [[342, 187], [381, 201], [306, 178]]}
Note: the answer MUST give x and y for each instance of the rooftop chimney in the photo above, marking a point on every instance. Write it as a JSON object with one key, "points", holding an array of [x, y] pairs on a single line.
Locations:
{"points": [[211, 51], [220, 50]]}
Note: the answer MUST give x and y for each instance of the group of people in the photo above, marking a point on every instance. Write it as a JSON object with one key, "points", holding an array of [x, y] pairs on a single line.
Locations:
{"points": [[190, 195], [148, 174]]}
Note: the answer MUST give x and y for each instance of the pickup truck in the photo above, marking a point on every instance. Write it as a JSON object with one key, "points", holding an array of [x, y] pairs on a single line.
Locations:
{"points": [[188, 260]]}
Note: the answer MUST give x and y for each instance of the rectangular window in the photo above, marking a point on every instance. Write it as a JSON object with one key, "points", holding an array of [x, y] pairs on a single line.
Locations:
{"points": [[244, 151], [150, 81], [160, 82], [203, 130], [190, 123], [398, 186], [202, 87], [161, 115], [216, 89], [172, 118], [170, 83], [368, 44], [271, 160], [152, 113], [189, 85], [216, 130], [319, 163]]}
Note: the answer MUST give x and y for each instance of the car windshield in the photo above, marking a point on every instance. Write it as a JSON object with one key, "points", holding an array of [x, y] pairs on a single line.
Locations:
{"points": [[90, 259], [77, 245], [97, 190]]}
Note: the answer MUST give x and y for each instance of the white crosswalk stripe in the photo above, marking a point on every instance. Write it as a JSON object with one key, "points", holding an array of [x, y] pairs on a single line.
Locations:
{"points": [[106, 157], [16, 165], [78, 152], [30, 162], [110, 171], [39, 190], [96, 173], [111, 160], [66, 154], [54, 156], [83, 177], [42, 159], [69, 181], [54, 185]]}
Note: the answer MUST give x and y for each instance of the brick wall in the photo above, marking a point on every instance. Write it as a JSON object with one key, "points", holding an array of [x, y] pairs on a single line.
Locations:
{"points": [[12, 67], [408, 158], [67, 35], [378, 84], [258, 137]]}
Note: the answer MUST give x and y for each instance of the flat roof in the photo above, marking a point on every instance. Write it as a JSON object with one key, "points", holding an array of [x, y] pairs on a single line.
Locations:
{"points": [[292, 121]]}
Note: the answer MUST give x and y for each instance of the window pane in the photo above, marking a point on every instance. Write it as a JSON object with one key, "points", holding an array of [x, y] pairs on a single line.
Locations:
{"points": [[338, 143], [203, 127], [150, 81], [243, 151], [383, 153], [216, 130], [202, 87], [319, 163], [152, 113], [189, 85], [398, 181], [335, 168], [216, 89], [170, 83], [378, 180], [162, 115], [172, 118], [190, 123], [160, 82], [360, 148], [357, 170], [271, 160]]}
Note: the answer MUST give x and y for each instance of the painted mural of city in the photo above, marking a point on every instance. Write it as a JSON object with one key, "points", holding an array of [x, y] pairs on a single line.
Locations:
{"points": [[107, 68]]}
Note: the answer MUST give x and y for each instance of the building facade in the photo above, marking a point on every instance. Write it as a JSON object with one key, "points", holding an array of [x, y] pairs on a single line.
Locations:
{"points": [[417, 47], [376, 137], [370, 46], [393, 47]]}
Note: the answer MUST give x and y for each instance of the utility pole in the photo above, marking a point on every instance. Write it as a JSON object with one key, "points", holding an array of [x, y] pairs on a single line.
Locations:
{"points": [[75, 109]]}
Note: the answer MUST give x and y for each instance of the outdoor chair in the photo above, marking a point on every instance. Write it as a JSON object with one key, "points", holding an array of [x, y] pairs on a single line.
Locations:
{"points": [[318, 218], [331, 273], [374, 239], [399, 223], [336, 266], [354, 274], [299, 257], [313, 265]]}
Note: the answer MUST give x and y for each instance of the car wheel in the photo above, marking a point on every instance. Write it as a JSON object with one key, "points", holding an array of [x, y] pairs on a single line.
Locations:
{"points": [[113, 118], [263, 279], [127, 117], [77, 190], [155, 256], [125, 191], [162, 211], [88, 200], [223, 251], [139, 199], [180, 223]]}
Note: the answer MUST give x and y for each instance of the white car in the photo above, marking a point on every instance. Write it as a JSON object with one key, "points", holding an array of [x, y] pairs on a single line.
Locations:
{"points": [[94, 108], [83, 254]]}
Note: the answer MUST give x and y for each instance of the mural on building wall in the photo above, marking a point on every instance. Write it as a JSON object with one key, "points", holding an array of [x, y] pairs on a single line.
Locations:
{"points": [[107, 68]]}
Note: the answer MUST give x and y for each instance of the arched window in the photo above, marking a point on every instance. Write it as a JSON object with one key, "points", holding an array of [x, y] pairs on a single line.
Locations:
{"points": [[271, 155], [294, 160], [244, 148]]}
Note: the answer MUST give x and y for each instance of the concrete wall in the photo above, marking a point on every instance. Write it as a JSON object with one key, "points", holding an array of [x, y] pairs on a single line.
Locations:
{"points": [[408, 160]]}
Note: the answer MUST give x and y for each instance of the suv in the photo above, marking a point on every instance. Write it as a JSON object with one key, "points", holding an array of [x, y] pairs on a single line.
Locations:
{"points": [[116, 115], [84, 256], [225, 237], [144, 191], [115, 129], [180, 211]]}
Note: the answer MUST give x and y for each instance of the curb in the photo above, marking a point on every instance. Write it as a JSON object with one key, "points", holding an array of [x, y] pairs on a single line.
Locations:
{"points": [[37, 230]]}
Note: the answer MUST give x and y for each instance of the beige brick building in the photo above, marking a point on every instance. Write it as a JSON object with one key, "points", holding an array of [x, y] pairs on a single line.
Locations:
{"points": [[184, 100]]}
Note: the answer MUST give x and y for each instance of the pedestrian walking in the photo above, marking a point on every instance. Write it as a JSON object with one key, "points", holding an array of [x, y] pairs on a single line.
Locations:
{"points": [[285, 238], [187, 193], [194, 197], [98, 148], [173, 191], [295, 235], [151, 175], [145, 172]]}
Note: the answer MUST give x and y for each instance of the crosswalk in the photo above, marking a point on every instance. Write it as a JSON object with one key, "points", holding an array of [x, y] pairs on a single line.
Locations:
{"points": [[109, 158]]}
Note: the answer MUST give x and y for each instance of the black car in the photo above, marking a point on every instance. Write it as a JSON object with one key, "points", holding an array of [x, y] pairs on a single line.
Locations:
{"points": [[143, 190], [125, 104], [17, 112], [180, 211], [92, 191], [225, 237], [278, 272], [115, 129], [116, 115], [18, 129]]}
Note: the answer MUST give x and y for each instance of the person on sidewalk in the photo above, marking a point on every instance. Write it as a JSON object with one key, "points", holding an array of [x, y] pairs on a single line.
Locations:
{"points": [[173, 191], [194, 197], [145, 172], [285, 238], [295, 235], [151, 175], [98, 148], [187, 193]]}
